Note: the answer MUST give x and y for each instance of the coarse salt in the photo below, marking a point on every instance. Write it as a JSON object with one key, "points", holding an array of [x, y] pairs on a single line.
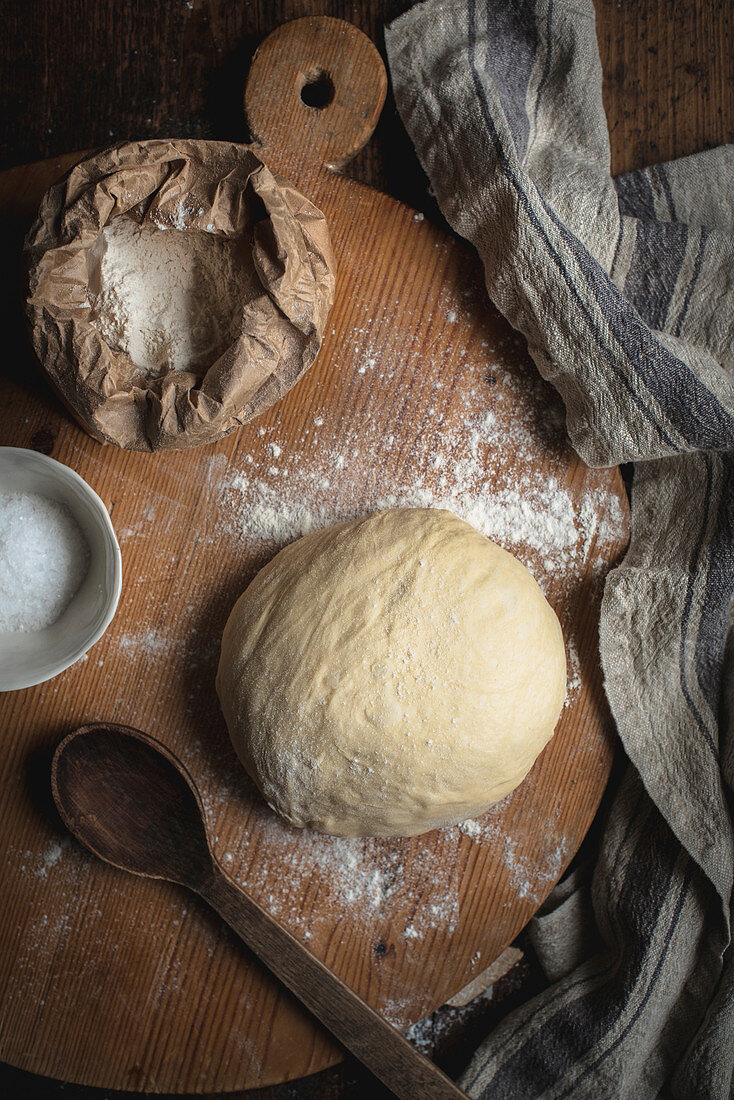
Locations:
{"points": [[44, 558]]}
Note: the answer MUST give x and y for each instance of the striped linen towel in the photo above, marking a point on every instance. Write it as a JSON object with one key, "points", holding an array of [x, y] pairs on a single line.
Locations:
{"points": [[624, 290]]}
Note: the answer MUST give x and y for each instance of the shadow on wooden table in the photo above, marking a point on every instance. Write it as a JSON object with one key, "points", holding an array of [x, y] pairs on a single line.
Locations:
{"points": [[18, 362]]}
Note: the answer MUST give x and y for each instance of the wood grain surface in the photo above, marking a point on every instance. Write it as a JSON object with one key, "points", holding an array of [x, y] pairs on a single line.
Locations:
{"points": [[169, 69]]}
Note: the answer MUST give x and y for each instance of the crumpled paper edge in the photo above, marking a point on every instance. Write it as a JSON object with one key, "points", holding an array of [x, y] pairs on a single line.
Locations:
{"points": [[218, 187]]}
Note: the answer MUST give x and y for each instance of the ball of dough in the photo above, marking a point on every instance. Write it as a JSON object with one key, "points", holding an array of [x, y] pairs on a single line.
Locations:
{"points": [[391, 675]]}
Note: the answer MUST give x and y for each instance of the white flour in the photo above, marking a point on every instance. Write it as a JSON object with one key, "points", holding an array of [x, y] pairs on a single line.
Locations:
{"points": [[172, 300], [536, 520]]}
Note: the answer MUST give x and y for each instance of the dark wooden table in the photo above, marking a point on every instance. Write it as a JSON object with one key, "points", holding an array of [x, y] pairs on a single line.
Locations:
{"points": [[85, 73]]}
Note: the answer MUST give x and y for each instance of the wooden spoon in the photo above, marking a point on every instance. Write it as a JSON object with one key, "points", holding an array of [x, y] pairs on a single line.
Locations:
{"points": [[132, 802]]}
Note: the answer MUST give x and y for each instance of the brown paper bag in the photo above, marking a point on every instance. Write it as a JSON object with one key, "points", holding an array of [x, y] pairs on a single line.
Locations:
{"points": [[214, 186]]}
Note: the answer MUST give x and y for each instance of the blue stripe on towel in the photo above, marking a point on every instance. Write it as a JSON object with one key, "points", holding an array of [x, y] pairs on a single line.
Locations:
{"points": [[585, 1021], [698, 417], [513, 66], [694, 279], [672, 928], [635, 195], [701, 421], [693, 572], [657, 259]]}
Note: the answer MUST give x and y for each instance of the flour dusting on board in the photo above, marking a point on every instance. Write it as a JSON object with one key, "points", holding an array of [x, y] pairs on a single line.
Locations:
{"points": [[535, 519], [365, 878], [52, 855], [153, 643]]}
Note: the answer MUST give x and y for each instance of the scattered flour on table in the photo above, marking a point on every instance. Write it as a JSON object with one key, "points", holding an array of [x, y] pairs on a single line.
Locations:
{"points": [[39, 863], [150, 642], [171, 299], [366, 875], [44, 558], [528, 877], [537, 520], [371, 879], [52, 855], [429, 1034]]}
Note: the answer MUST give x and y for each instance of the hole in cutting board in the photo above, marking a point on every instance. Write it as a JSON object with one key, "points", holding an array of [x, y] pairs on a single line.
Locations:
{"points": [[318, 89]]}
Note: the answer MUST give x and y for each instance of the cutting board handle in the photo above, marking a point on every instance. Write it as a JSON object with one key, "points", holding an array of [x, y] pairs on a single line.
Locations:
{"points": [[314, 94]]}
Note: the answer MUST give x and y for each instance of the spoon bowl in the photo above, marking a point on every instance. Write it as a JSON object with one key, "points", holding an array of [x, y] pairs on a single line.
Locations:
{"points": [[131, 802]]}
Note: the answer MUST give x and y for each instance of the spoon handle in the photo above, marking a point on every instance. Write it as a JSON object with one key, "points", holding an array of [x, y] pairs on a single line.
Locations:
{"points": [[360, 1029]]}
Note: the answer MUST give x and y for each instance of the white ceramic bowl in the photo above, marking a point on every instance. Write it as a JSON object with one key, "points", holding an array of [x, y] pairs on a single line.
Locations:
{"points": [[30, 657]]}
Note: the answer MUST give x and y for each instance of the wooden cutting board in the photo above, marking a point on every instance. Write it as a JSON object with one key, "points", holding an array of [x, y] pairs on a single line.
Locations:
{"points": [[421, 394]]}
